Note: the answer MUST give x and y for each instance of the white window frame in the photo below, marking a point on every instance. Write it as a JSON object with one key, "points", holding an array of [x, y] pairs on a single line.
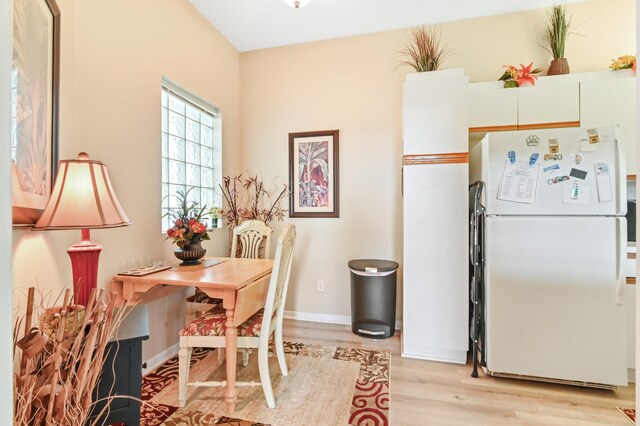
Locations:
{"points": [[198, 102]]}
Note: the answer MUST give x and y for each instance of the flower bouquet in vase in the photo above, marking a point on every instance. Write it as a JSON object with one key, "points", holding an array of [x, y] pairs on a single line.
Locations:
{"points": [[188, 230]]}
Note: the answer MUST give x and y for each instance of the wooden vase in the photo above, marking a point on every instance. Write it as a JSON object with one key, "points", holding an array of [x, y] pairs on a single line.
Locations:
{"points": [[558, 66]]}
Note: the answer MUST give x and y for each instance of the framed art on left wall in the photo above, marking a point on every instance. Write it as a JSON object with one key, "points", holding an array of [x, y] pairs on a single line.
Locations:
{"points": [[35, 68], [313, 174]]}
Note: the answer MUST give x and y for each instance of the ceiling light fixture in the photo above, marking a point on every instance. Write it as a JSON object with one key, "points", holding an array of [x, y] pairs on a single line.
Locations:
{"points": [[297, 4]]}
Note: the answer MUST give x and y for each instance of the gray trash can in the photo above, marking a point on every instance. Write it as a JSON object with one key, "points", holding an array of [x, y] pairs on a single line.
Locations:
{"points": [[373, 297]]}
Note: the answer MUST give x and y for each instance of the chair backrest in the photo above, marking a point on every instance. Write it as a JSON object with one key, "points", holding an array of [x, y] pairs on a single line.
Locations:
{"points": [[251, 233], [279, 284]]}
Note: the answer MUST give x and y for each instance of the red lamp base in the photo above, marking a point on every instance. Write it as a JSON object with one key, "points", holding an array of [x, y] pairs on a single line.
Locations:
{"points": [[84, 256]]}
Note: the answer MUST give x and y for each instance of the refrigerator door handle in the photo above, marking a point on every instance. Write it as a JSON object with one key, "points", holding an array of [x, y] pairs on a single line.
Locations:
{"points": [[621, 175], [621, 256]]}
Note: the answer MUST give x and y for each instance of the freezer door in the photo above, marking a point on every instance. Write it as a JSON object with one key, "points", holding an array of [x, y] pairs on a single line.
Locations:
{"points": [[552, 298], [491, 155]]}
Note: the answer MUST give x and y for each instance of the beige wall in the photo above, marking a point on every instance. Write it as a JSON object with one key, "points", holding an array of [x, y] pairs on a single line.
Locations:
{"points": [[114, 54], [355, 84]]}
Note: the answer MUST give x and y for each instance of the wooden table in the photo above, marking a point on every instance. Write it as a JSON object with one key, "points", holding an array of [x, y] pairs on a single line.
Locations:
{"points": [[242, 285]]}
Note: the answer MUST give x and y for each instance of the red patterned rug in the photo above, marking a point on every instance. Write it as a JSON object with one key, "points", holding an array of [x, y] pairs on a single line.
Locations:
{"points": [[629, 413], [369, 398]]}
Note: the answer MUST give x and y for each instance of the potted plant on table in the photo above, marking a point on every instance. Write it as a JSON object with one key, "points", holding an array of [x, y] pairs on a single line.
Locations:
{"points": [[189, 229], [215, 213]]}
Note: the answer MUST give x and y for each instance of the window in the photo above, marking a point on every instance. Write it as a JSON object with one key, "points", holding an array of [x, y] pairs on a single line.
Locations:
{"points": [[191, 154]]}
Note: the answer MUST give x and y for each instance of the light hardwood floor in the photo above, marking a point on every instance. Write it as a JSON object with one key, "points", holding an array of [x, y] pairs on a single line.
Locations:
{"points": [[432, 393]]}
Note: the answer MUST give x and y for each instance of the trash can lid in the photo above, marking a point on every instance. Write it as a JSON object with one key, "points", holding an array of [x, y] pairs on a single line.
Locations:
{"points": [[373, 265]]}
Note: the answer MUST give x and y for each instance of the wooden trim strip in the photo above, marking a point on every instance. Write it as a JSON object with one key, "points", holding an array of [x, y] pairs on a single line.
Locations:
{"points": [[631, 280], [445, 158], [534, 126], [558, 125], [631, 255], [486, 129], [631, 177]]}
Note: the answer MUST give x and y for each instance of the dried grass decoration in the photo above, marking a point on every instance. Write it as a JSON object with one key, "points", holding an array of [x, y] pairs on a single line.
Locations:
{"points": [[60, 360], [426, 51], [555, 39]]}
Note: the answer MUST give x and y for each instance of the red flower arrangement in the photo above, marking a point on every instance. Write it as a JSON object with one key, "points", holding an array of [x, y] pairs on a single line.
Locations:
{"points": [[188, 224], [516, 77]]}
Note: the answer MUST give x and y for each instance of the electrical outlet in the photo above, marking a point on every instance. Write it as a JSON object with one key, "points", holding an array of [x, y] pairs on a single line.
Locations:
{"points": [[320, 286]]}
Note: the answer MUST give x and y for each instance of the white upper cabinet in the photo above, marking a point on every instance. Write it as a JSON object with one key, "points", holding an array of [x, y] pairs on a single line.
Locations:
{"points": [[586, 99], [612, 101], [549, 102], [492, 106], [433, 122]]}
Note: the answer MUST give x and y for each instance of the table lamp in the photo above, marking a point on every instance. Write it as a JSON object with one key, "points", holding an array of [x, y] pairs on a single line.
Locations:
{"points": [[83, 198]]}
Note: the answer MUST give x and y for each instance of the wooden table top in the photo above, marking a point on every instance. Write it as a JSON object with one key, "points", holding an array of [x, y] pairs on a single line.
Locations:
{"points": [[233, 273]]}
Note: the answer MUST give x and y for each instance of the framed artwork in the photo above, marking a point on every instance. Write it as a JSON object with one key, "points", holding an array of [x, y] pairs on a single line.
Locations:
{"points": [[34, 106], [313, 174]]}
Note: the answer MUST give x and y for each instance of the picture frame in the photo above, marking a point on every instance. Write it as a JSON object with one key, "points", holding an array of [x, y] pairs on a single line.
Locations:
{"points": [[35, 77], [314, 174]]}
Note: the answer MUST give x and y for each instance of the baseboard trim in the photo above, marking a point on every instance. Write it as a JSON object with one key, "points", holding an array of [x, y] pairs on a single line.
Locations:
{"points": [[631, 375], [435, 354], [157, 360], [325, 318]]}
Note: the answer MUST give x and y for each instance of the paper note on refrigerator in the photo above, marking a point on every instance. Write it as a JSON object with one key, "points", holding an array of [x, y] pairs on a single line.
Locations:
{"points": [[603, 182], [519, 182]]}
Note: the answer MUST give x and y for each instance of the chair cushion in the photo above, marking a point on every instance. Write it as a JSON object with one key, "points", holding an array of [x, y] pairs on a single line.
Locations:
{"points": [[212, 323], [202, 297]]}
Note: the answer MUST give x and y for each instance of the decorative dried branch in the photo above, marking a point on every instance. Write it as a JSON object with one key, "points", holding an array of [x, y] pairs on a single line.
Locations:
{"points": [[251, 201], [61, 360]]}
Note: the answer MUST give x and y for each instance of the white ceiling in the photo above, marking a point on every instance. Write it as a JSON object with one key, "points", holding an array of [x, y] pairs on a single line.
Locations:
{"points": [[259, 24]]}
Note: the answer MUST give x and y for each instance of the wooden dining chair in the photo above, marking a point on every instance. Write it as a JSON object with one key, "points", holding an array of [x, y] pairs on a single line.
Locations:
{"points": [[251, 234], [208, 330]]}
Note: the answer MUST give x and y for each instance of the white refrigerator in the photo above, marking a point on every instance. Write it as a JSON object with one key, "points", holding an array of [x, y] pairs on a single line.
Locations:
{"points": [[435, 214], [555, 253]]}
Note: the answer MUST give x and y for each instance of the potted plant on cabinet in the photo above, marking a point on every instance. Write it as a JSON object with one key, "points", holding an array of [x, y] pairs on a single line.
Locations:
{"points": [[425, 51], [555, 39]]}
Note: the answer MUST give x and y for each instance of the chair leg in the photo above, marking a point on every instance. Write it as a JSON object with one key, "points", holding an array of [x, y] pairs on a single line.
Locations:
{"points": [[265, 379], [279, 346], [245, 357], [184, 359], [220, 355]]}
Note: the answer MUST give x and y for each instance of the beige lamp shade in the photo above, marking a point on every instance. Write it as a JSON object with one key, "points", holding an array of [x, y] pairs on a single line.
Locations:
{"points": [[82, 198]]}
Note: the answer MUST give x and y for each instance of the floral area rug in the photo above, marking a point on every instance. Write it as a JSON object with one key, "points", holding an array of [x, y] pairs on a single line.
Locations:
{"points": [[629, 413], [325, 386]]}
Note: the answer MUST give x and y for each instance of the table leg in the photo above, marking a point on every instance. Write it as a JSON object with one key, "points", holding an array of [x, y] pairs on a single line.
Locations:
{"points": [[231, 342]]}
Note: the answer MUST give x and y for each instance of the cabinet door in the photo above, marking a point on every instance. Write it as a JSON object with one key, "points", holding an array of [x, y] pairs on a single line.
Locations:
{"points": [[549, 103], [436, 262], [491, 105], [435, 113], [612, 101]]}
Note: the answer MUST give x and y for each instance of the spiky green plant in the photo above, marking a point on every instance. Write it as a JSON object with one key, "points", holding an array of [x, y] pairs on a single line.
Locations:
{"points": [[555, 36], [425, 51]]}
